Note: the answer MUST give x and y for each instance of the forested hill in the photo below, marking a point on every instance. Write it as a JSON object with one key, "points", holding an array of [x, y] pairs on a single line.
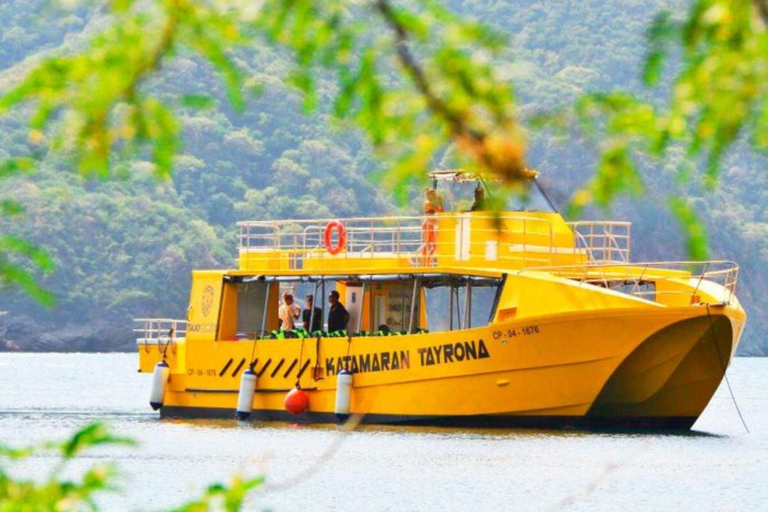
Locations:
{"points": [[125, 247]]}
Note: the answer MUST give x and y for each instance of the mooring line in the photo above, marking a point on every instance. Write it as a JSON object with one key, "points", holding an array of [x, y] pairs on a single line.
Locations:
{"points": [[725, 370]]}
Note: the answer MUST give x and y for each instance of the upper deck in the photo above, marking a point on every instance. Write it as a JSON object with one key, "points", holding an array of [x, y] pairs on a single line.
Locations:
{"points": [[476, 240]]}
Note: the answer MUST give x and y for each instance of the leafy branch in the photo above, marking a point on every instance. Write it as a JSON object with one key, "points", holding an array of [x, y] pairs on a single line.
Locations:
{"points": [[95, 105], [500, 155], [63, 493], [56, 492], [719, 96]]}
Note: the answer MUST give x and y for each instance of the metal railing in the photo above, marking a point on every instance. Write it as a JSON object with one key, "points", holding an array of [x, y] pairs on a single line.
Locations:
{"points": [[159, 331], [684, 280], [604, 242], [394, 234], [457, 237]]}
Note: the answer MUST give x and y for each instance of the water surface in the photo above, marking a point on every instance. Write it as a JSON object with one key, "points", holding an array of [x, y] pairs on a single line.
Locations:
{"points": [[718, 466]]}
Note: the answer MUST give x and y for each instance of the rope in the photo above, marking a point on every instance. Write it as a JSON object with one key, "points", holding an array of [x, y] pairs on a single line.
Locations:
{"points": [[253, 351], [170, 340], [725, 373], [316, 371], [301, 359], [349, 349]]}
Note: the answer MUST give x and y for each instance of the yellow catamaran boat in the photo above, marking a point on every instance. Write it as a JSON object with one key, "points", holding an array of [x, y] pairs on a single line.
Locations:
{"points": [[459, 318]]}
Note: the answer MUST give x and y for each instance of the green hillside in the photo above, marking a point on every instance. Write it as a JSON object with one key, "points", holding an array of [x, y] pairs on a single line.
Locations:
{"points": [[125, 247]]}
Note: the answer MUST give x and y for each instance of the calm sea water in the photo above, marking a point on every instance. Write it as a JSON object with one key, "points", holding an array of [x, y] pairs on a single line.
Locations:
{"points": [[717, 467]]}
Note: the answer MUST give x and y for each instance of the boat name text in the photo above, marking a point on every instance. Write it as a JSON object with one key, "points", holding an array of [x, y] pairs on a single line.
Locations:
{"points": [[400, 360], [365, 363], [453, 352]]}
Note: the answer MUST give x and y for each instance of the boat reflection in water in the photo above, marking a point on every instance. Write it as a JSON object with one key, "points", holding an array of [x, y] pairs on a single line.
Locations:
{"points": [[464, 319]]}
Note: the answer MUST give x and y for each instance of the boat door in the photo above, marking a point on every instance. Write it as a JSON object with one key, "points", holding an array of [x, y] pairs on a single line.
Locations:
{"points": [[354, 304]]}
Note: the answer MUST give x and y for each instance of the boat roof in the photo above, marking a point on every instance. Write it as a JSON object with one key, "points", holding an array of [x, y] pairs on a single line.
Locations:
{"points": [[460, 175], [453, 175], [364, 274]]}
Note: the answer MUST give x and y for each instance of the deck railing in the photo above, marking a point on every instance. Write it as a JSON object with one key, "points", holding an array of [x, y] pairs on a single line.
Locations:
{"points": [[159, 331], [604, 241], [683, 282], [386, 234], [457, 237]]}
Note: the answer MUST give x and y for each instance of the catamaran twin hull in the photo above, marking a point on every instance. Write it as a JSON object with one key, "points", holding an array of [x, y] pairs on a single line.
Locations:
{"points": [[572, 333], [635, 369]]}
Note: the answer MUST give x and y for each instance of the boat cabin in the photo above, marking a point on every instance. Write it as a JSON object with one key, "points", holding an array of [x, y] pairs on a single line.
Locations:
{"points": [[238, 307]]}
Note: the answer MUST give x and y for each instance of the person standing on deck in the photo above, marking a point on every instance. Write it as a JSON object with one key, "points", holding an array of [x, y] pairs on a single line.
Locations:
{"points": [[433, 203], [288, 312], [338, 316], [313, 313], [479, 203]]}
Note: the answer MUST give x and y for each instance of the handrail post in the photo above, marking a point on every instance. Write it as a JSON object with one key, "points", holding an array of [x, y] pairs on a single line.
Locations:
{"points": [[276, 236], [294, 255], [450, 306], [551, 242], [373, 239], [468, 305], [414, 297], [266, 309], [701, 278], [525, 246]]}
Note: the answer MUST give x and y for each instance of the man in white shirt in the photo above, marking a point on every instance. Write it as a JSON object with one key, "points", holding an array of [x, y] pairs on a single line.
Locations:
{"points": [[288, 312]]}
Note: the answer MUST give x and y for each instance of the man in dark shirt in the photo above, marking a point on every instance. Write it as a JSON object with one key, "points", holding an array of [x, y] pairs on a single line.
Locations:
{"points": [[307, 314], [338, 317], [479, 203]]}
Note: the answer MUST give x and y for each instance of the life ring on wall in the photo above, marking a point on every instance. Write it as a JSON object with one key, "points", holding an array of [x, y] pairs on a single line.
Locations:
{"points": [[332, 226]]}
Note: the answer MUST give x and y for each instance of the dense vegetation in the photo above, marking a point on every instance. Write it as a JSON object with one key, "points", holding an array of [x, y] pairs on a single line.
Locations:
{"points": [[125, 247]]}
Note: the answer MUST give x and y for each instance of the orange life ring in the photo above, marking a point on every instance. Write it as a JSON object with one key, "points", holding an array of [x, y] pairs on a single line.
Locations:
{"points": [[329, 229]]}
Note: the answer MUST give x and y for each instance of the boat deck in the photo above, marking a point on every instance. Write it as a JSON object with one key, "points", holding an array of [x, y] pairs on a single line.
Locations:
{"points": [[474, 239]]}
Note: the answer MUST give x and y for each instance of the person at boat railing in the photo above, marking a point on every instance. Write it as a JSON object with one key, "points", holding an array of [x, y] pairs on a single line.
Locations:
{"points": [[338, 316], [311, 313], [288, 312], [433, 203], [479, 203]]}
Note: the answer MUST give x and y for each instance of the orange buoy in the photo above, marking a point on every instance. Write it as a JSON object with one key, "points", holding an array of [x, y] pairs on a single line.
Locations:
{"points": [[296, 401]]}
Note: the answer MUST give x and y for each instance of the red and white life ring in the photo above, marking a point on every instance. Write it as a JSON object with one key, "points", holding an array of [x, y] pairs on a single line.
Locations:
{"points": [[332, 226]]}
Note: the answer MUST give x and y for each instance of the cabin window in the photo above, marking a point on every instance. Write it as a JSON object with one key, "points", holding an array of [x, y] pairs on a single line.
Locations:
{"points": [[252, 306], [377, 305], [395, 306], [460, 303]]}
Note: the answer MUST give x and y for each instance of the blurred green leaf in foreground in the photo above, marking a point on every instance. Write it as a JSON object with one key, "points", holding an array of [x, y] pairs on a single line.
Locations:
{"points": [[717, 96], [60, 491], [413, 77]]}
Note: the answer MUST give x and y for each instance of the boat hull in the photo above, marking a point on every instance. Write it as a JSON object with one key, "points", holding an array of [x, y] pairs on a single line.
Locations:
{"points": [[629, 369], [475, 421]]}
